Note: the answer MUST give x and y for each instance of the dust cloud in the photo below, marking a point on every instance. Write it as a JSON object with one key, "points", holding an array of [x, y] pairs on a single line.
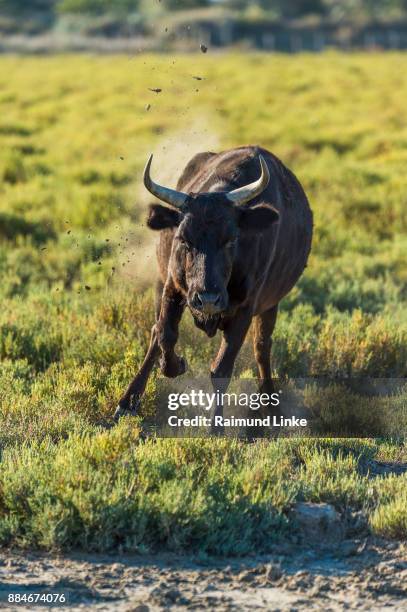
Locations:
{"points": [[171, 155]]}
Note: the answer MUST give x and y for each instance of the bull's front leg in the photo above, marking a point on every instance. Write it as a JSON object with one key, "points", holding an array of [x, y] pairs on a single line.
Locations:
{"points": [[222, 368], [129, 403], [172, 308], [164, 335]]}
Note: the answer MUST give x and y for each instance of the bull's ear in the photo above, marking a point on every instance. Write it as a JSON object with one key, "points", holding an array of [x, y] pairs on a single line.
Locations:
{"points": [[161, 217], [257, 219]]}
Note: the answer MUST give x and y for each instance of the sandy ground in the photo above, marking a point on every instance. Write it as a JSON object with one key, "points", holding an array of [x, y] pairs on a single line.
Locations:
{"points": [[354, 575]]}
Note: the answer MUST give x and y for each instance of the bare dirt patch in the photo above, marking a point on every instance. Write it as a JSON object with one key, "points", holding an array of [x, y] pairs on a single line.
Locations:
{"points": [[362, 575]]}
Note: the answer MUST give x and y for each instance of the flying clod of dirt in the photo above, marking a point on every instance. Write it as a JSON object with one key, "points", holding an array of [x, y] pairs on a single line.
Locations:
{"points": [[203, 48], [155, 90], [147, 107], [198, 78]]}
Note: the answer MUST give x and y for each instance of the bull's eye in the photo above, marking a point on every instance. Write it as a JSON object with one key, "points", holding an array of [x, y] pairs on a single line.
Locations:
{"points": [[230, 244]]}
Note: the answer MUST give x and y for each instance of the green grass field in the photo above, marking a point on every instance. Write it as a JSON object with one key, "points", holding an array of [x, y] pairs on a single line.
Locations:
{"points": [[77, 266]]}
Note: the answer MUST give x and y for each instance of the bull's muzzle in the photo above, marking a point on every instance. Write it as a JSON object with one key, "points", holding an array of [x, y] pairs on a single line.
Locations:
{"points": [[208, 303]]}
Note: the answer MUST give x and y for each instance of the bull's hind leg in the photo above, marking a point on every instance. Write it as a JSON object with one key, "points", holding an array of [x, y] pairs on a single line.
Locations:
{"points": [[262, 342]]}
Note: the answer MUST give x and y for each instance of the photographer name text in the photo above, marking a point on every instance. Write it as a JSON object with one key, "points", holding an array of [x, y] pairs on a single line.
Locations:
{"points": [[220, 421]]}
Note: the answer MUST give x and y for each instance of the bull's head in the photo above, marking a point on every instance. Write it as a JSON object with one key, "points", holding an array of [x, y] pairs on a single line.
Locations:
{"points": [[205, 245]]}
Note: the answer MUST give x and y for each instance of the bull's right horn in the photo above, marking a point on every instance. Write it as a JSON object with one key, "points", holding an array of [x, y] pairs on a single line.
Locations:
{"points": [[175, 199]]}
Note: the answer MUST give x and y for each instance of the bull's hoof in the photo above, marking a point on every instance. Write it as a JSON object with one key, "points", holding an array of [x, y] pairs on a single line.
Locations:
{"points": [[131, 409], [174, 367]]}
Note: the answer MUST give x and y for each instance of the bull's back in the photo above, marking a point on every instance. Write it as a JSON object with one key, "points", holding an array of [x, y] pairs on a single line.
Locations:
{"points": [[277, 257]]}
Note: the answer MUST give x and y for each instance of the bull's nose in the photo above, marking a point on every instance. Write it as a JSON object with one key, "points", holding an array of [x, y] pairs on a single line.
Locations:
{"points": [[209, 303]]}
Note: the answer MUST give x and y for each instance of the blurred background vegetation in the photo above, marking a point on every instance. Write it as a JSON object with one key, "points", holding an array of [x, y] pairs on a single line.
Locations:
{"points": [[278, 8], [145, 17]]}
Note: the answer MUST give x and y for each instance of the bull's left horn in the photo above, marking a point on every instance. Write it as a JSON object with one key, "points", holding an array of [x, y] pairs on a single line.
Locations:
{"points": [[175, 199], [248, 192]]}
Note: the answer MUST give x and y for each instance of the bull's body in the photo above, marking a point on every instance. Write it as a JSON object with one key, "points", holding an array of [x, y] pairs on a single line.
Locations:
{"points": [[266, 263]]}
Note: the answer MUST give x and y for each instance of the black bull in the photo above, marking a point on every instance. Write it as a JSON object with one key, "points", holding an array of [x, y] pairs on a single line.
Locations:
{"points": [[231, 246]]}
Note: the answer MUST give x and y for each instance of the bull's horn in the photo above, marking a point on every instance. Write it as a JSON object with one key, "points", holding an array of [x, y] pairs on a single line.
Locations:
{"points": [[175, 199], [248, 192]]}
